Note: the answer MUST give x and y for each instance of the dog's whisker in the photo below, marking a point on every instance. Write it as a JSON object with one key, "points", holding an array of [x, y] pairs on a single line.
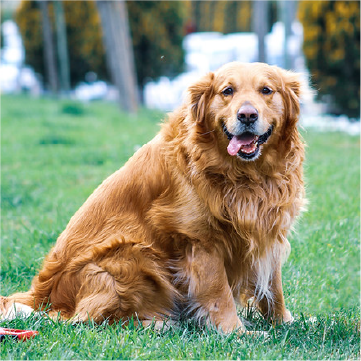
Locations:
{"points": [[211, 131]]}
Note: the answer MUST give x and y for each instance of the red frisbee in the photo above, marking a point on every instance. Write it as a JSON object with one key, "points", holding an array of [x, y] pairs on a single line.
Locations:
{"points": [[18, 334]]}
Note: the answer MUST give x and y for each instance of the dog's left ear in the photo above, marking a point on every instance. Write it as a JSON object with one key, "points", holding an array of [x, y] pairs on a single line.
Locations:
{"points": [[199, 93], [291, 89]]}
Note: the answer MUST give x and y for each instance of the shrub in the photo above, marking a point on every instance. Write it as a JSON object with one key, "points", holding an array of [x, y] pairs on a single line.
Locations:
{"points": [[225, 16], [156, 27], [72, 108], [222, 16], [157, 35], [332, 50], [85, 48]]}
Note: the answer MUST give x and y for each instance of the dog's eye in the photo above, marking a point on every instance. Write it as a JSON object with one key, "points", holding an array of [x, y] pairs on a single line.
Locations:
{"points": [[228, 91], [266, 90]]}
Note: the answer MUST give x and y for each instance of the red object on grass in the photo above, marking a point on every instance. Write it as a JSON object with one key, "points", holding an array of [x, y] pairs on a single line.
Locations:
{"points": [[18, 334]]}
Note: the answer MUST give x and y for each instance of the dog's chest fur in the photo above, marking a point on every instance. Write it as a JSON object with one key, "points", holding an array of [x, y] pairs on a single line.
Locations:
{"points": [[246, 222]]}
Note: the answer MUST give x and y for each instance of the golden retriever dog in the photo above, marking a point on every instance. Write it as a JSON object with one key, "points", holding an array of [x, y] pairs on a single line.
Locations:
{"points": [[196, 221]]}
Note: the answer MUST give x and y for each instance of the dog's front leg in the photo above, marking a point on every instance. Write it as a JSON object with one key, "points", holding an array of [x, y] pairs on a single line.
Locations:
{"points": [[275, 308], [209, 289]]}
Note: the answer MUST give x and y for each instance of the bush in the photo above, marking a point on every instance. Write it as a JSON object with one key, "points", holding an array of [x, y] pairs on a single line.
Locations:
{"points": [[157, 35], [332, 50], [72, 108], [85, 48], [225, 16], [156, 27]]}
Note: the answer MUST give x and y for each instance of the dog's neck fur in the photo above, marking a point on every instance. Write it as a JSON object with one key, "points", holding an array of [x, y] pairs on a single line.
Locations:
{"points": [[271, 200]]}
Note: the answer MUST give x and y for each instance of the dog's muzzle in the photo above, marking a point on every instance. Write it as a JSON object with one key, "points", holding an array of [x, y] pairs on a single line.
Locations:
{"points": [[247, 144]]}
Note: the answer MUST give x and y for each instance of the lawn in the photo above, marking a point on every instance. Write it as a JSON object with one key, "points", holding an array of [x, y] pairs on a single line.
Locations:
{"points": [[53, 156]]}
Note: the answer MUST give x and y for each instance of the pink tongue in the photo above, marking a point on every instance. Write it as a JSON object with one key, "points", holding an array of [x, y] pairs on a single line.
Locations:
{"points": [[238, 141]]}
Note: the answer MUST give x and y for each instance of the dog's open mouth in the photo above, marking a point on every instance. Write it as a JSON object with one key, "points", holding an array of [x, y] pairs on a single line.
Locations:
{"points": [[246, 145]]}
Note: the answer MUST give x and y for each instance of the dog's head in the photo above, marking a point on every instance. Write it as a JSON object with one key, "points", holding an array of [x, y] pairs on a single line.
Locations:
{"points": [[246, 106]]}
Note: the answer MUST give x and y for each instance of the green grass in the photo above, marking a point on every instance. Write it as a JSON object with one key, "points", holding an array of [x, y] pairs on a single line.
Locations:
{"points": [[53, 156]]}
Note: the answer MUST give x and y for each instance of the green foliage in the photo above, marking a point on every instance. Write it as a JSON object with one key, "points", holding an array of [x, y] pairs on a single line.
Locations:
{"points": [[74, 108], [224, 16], [84, 37], [43, 183], [157, 34], [156, 28], [332, 49]]}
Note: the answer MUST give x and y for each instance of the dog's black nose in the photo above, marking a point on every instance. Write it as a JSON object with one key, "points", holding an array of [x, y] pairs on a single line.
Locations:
{"points": [[247, 114]]}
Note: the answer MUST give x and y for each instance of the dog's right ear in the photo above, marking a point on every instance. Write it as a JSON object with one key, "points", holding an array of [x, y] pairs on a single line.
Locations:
{"points": [[199, 93]]}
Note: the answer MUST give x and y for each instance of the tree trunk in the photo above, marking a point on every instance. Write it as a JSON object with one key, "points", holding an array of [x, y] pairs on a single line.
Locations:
{"points": [[49, 54], [119, 51], [260, 27], [287, 9], [63, 57]]}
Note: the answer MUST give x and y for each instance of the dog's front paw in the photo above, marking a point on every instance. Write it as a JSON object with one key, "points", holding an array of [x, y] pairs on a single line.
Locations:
{"points": [[287, 317], [229, 326]]}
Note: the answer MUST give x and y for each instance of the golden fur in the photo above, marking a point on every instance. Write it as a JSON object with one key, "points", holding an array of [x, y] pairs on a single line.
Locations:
{"points": [[184, 228]]}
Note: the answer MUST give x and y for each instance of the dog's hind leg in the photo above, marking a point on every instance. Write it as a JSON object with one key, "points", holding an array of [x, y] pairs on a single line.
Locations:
{"points": [[124, 284], [97, 299]]}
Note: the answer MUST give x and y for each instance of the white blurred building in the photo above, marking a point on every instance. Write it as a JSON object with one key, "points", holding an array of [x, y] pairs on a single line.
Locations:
{"points": [[14, 75], [207, 51], [13, 51]]}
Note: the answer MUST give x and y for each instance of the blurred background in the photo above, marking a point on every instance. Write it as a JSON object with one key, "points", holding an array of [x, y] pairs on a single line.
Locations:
{"points": [[145, 53]]}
